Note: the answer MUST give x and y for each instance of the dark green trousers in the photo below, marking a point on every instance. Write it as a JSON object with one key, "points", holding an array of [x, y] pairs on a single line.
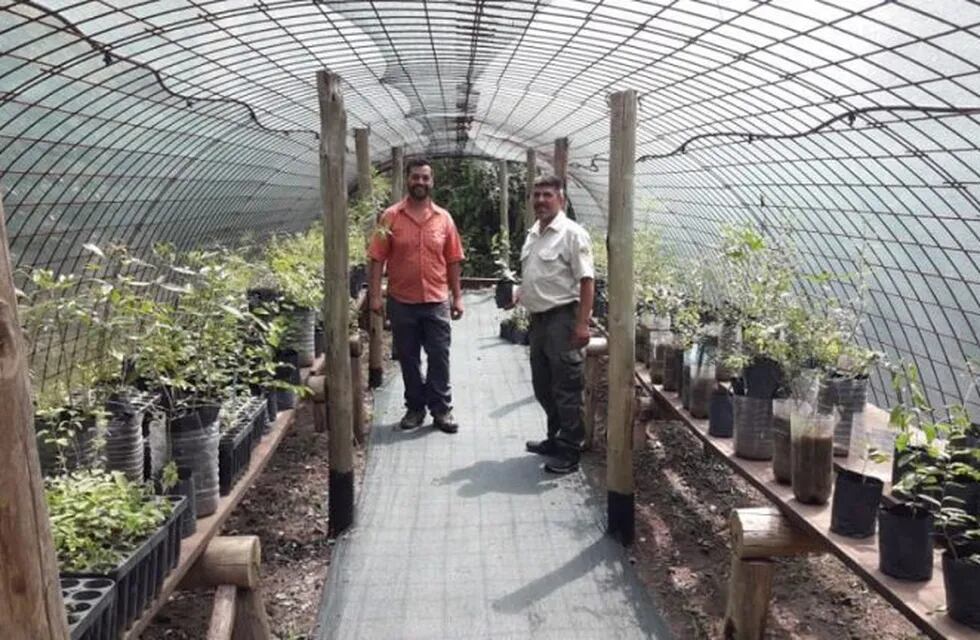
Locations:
{"points": [[557, 374]]}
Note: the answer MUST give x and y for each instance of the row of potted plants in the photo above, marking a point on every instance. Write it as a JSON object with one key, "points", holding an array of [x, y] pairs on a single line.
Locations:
{"points": [[799, 382]]}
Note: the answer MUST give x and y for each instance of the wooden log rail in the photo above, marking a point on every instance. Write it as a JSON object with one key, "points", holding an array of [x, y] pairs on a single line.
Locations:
{"points": [[789, 528]]}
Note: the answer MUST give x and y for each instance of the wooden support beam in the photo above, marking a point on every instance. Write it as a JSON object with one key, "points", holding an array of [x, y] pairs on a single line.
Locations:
{"points": [[561, 161], [532, 174], [397, 174], [375, 321], [749, 591], [333, 192], [597, 347], [622, 344], [593, 369], [357, 386], [504, 210], [30, 593], [764, 532], [233, 560], [223, 614], [251, 620]]}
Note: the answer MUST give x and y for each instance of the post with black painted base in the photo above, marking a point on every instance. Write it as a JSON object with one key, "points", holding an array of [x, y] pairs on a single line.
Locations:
{"points": [[622, 321], [336, 293]]}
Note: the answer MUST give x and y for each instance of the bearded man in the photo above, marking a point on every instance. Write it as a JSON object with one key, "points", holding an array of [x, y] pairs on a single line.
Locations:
{"points": [[421, 247]]}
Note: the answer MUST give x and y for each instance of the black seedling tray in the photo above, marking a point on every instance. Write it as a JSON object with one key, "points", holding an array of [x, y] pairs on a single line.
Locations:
{"points": [[90, 603]]}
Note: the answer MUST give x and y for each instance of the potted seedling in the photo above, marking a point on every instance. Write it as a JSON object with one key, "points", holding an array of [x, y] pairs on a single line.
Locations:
{"points": [[857, 496]]}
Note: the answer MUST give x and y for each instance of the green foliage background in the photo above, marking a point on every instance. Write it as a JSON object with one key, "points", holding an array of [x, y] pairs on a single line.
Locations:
{"points": [[469, 190]]}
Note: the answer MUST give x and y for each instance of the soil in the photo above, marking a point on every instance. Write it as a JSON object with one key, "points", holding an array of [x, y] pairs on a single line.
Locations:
{"points": [[682, 553]]}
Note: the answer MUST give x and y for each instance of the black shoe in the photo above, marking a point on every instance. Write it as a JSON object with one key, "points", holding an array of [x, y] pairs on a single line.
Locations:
{"points": [[562, 463], [445, 422], [547, 447], [412, 420]]}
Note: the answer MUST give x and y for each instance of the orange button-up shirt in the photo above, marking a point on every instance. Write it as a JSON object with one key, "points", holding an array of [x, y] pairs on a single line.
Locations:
{"points": [[418, 253]]}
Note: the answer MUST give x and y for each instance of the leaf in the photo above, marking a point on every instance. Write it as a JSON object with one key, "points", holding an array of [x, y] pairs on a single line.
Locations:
{"points": [[88, 246]]}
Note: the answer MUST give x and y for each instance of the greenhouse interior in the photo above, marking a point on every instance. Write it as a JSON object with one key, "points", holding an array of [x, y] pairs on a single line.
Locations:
{"points": [[697, 284]]}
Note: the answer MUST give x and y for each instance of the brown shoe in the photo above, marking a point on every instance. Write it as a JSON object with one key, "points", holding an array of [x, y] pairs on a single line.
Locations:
{"points": [[445, 422]]}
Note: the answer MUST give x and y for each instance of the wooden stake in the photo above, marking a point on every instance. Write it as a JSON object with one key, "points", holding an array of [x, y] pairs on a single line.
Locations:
{"points": [[561, 160], [333, 192], [749, 590], [397, 174], [251, 620], [357, 386], [532, 174], [375, 322], [504, 209], [223, 614], [30, 593], [622, 346]]}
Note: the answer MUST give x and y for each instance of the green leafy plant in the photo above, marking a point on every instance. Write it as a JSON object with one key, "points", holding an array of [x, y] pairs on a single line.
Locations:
{"points": [[99, 518], [296, 262]]}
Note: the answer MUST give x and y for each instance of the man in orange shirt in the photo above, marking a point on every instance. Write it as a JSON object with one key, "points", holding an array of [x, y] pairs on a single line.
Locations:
{"points": [[421, 246]]}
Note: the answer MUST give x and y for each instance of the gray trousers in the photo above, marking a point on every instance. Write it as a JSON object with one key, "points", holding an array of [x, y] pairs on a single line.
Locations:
{"points": [[557, 374], [423, 326]]}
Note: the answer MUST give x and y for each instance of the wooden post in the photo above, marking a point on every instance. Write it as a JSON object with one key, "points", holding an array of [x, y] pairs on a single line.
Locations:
{"points": [[561, 161], [532, 174], [598, 347], [357, 386], [619, 425], [764, 532], [375, 322], [333, 192], [749, 589], [251, 620], [223, 614], [30, 594], [504, 207], [397, 174]]}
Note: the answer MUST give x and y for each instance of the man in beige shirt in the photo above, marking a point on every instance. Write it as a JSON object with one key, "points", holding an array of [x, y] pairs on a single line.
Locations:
{"points": [[557, 289]]}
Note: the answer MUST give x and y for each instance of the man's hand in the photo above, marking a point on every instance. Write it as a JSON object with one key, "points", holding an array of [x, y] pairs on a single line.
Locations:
{"points": [[456, 311], [580, 336], [377, 306]]}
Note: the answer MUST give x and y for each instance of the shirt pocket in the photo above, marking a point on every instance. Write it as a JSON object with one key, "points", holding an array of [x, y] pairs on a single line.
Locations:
{"points": [[435, 240]]}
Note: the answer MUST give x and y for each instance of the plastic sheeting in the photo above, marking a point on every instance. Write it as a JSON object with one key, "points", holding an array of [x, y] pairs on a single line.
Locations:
{"points": [[845, 125]]}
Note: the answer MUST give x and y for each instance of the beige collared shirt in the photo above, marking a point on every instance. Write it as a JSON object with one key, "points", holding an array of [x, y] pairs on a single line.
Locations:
{"points": [[553, 263]]}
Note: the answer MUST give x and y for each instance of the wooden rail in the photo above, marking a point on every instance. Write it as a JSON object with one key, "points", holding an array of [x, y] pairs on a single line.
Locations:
{"points": [[922, 603]]}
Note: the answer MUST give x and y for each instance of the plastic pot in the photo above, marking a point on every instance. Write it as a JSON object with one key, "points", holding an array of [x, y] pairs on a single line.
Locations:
{"points": [[673, 367], [185, 487], [504, 293], [961, 577], [702, 388], [854, 510], [686, 366], [195, 446], [753, 427], [721, 417], [846, 396], [358, 279], [813, 456], [905, 542], [298, 336], [762, 378], [600, 303], [319, 346], [287, 371], [782, 450]]}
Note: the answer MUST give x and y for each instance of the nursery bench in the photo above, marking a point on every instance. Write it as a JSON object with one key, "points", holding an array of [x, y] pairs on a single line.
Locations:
{"points": [[807, 528], [194, 546]]}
